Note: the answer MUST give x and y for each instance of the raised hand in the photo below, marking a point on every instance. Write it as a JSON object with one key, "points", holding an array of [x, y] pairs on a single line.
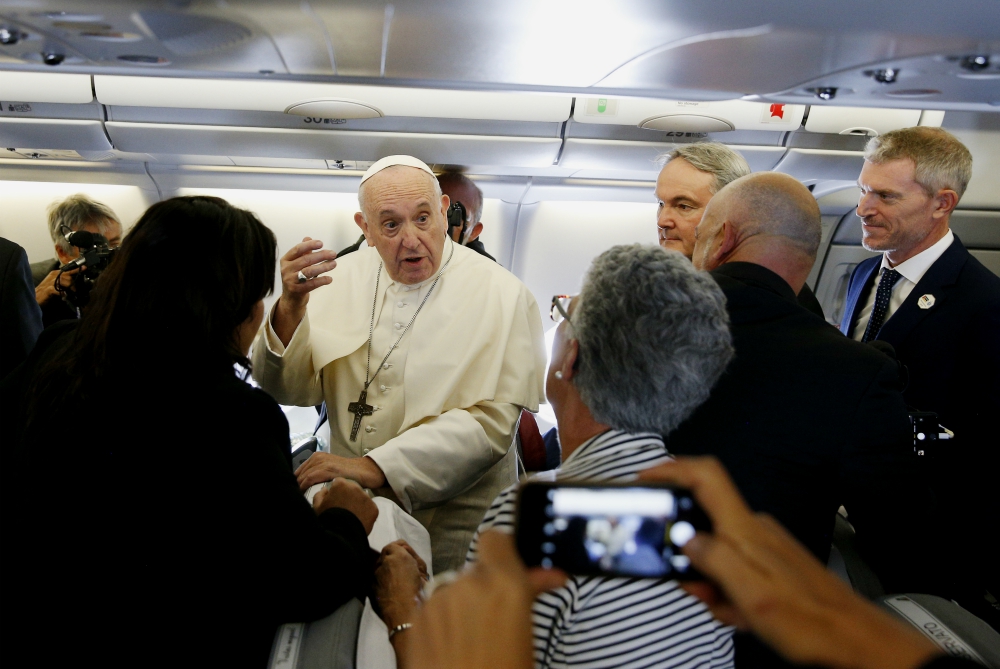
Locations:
{"points": [[302, 270]]}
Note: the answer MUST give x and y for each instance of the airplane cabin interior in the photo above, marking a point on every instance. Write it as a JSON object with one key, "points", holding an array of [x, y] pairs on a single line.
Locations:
{"points": [[558, 111]]}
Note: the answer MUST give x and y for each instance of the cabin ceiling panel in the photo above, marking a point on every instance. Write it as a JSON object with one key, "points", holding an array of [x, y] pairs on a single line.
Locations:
{"points": [[706, 50], [316, 144]]}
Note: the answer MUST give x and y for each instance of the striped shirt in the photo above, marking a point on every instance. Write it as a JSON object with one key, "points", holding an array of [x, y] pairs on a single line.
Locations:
{"points": [[596, 621]]}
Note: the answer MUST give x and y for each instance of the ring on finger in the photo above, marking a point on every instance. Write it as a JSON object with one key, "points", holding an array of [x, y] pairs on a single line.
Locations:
{"points": [[302, 278]]}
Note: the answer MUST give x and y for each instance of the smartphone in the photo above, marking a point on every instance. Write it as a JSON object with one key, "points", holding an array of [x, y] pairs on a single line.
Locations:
{"points": [[304, 451], [608, 529]]}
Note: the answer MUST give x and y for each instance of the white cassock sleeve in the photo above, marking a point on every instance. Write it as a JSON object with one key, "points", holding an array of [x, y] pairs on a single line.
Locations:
{"points": [[444, 455], [287, 372]]}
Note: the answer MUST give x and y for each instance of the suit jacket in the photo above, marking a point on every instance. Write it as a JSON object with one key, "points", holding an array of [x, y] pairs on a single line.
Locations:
{"points": [[20, 316], [952, 355], [181, 526]]}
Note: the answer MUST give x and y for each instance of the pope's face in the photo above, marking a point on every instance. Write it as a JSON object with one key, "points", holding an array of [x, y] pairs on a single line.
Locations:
{"points": [[895, 211], [682, 193], [406, 222]]}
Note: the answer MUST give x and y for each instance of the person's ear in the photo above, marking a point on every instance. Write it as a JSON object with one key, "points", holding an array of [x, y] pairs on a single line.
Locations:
{"points": [[727, 243], [945, 202], [359, 218], [477, 229], [568, 364]]}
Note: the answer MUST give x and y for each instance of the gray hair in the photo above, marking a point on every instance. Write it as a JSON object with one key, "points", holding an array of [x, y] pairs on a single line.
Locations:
{"points": [[717, 159], [941, 161], [75, 212], [362, 189], [654, 338]]}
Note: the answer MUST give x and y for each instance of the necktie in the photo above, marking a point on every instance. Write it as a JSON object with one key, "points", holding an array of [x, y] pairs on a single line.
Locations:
{"points": [[882, 296]]}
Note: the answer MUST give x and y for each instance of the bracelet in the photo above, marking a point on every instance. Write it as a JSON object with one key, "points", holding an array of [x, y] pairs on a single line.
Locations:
{"points": [[402, 627]]}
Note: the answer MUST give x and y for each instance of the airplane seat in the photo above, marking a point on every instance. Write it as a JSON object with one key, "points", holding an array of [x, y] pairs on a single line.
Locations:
{"points": [[846, 561], [954, 630], [322, 644], [353, 636]]}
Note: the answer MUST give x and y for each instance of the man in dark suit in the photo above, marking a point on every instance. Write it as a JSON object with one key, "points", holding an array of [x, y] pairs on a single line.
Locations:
{"points": [[804, 419], [20, 315], [691, 176], [940, 309]]}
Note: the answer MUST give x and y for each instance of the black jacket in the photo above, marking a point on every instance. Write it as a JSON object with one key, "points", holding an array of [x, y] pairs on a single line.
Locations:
{"points": [[20, 317], [806, 420], [952, 355], [163, 524]]}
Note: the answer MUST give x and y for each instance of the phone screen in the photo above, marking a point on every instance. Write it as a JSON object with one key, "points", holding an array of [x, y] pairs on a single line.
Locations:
{"points": [[608, 530]]}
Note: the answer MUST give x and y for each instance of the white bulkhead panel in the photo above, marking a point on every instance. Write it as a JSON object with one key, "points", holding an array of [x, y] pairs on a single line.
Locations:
{"points": [[279, 96], [45, 87]]}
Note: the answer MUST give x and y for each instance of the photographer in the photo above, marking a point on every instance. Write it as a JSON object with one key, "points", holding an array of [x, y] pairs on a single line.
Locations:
{"points": [[77, 212]]}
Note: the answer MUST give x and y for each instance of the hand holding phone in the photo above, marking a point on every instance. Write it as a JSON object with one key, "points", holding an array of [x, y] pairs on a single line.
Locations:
{"points": [[608, 529]]}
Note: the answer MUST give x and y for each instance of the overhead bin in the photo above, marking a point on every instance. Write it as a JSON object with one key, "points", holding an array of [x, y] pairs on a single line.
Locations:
{"points": [[688, 116], [355, 145], [862, 120], [607, 154], [334, 100], [43, 133], [812, 165], [45, 87]]}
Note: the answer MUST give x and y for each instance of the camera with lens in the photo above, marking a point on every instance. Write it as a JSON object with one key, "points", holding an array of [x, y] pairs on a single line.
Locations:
{"points": [[95, 256]]}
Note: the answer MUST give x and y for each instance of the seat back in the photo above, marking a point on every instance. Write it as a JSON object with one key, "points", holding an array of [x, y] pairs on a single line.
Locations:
{"points": [[955, 630], [327, 643]]}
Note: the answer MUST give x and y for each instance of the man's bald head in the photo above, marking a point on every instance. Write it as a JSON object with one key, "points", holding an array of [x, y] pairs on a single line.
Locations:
{"points": [[764, 218]]}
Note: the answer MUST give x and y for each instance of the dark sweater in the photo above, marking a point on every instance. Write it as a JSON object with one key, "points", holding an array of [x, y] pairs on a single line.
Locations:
{"points": [[166, 516]]}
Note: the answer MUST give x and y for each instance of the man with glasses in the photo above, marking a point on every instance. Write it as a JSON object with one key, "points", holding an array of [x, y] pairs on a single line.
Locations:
{"points": [[939, 307], [691, 176], [77, 212]]}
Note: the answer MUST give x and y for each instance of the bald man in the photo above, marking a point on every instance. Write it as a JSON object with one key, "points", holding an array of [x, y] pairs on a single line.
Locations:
{"points": [[804, 419]]}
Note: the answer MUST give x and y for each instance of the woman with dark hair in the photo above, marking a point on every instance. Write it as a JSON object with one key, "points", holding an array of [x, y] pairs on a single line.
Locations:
{"points": [[157, 517]]}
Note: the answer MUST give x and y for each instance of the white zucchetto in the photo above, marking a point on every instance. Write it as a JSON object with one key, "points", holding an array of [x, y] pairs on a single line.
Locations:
{"points": [[392, 161]]}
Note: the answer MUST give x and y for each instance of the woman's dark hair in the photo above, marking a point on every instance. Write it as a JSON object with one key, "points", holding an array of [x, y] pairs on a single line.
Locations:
{"points": [[186, 276]]}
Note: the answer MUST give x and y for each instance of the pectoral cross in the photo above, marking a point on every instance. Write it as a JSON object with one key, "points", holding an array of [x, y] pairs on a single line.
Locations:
{"points": [[359, 409]]}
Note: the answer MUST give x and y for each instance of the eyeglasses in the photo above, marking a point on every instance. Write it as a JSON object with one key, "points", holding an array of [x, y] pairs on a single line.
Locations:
{"points": [[559, 311]]}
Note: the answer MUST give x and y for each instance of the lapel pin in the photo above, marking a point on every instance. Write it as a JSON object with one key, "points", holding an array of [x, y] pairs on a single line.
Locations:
{"points": [[926, 301]]}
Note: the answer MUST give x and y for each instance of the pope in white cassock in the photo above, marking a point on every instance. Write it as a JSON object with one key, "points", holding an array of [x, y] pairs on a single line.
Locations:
{"points": [[424, 351]]}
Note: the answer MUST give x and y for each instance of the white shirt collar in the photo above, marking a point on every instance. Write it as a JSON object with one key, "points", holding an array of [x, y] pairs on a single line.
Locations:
{"points": [[914, 269]]}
